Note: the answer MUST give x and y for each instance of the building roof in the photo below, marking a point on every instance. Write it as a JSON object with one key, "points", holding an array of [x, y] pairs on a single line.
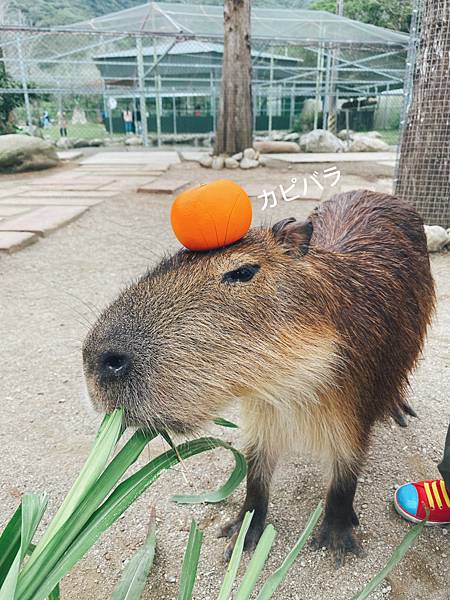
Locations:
{"points": [[278, 26], [191, 47]]}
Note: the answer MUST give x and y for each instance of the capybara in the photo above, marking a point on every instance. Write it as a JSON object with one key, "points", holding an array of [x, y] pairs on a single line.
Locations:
{"points": [[314, 326]]}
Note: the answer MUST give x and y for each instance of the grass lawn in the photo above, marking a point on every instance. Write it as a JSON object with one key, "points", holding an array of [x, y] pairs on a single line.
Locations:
{"points": [[88, 131]]}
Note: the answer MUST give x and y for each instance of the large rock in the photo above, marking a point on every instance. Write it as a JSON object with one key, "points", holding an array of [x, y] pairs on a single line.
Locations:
{"points": [[367, 143], [25, 153], [248, 163], [218, 162], [80, 143], [96, 143], [437, 238], [206, 161], [270, 147], [291, 137], [346, 134], [320, 140], [64, 144], [250, 153], [134, 140], [231, 163]]}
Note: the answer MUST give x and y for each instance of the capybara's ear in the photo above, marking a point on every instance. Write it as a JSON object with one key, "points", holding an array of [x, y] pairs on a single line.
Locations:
{"points": [[293, 235]]}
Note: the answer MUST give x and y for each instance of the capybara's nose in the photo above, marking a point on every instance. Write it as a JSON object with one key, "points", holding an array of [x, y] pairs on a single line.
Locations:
{"points": [[114, 365]]}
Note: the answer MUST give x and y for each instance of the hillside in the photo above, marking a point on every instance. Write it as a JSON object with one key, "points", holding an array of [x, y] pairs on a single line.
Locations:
{"points": [[62, 12]]}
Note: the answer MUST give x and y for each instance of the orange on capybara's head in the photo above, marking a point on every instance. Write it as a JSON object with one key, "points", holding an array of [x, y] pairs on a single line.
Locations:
{"points": [[211, 216]]}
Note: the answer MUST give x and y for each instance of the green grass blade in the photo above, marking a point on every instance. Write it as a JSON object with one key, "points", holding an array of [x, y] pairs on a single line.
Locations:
{"points": [[33, 508], [135, 574], [233, 565], [396, 557], [277, 576], [190, 563], [225, 423], [59, 558], [62, 538], [238, 474], [10, 543], [101, 451], [257, 563], [55, 594]]}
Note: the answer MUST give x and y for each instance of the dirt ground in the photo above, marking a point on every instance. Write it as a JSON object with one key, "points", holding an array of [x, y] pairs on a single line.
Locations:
{"points": [[52, 291]]}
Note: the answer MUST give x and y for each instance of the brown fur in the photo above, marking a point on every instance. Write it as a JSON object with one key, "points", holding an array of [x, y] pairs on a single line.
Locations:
{"points": [[317, 346]]}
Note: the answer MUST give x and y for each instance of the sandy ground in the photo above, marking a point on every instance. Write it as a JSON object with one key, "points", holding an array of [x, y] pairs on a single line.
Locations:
{"points": [[52, 291]]}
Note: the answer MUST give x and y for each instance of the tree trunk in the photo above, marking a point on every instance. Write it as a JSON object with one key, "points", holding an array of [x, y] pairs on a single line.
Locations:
{"points": [[424, 167], [235, 124]]}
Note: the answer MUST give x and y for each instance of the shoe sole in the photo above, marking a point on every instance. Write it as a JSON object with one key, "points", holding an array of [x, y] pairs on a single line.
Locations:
{"points": [[412, 519]]}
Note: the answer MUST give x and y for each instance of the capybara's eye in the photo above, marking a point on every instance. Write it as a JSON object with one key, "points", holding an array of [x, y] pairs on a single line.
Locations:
{"points": [[241, 275]]}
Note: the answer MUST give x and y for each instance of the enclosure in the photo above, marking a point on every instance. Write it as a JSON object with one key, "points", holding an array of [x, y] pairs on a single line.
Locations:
{"points": [[310, 68]]}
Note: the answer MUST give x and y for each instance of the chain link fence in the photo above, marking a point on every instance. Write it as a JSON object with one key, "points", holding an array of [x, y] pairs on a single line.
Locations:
{"points": [[111, 78], [423, 170]]}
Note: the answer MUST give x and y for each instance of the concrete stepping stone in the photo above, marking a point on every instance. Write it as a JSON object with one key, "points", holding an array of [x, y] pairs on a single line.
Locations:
{"points": [[116, 170], [11, 241], [9, 209], [133, 158], [193, 155], [9, 190], [43, 220], [74, 177], [163, 186], [129, 183], [48, 201], [69, 154], [67, 194], [77, 186]]}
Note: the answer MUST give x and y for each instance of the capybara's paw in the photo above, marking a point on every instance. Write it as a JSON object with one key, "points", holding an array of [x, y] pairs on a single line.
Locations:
{"points": [[339, 541], [231, 531]]}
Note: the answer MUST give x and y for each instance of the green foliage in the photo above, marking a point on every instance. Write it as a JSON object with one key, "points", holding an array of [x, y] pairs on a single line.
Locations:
{"points": [[94, 503], [135, 574], [393, 14], [8, 102]]}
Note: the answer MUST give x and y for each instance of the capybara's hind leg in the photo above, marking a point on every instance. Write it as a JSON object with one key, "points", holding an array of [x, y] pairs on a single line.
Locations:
{"points": [[259, 475], [337, 529]]}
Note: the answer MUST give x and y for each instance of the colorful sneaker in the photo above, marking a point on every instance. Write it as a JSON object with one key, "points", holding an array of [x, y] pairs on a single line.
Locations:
{"points": [[412, 499]]}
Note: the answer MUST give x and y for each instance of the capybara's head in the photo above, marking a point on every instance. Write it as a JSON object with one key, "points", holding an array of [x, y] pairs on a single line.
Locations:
{"points": [[201, 329]]}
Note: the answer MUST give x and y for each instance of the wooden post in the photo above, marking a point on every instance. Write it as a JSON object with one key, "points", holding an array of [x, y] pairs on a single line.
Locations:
{"points": [[235, 123]]}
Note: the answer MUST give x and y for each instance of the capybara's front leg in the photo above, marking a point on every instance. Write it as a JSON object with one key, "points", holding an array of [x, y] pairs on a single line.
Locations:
{"points": [[259, 475], [337, 529]]}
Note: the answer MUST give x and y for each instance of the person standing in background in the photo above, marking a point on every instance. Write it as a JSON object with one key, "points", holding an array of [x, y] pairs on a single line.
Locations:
{"points": [[62, 124], [127, 117]]}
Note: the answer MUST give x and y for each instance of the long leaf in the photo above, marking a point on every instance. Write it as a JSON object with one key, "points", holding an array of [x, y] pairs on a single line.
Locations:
{"points": [[256, 563], [135, 574], [190, 563], [10, 543], [235, 559], [396, 557], [238, 474], [225, 423], [62, 538], [36, 583], [99, 455], [272, 583], [33, 508]]}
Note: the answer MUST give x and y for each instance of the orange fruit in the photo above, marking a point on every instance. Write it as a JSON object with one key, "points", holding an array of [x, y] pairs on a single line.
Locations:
{"points": [[211, 216]]}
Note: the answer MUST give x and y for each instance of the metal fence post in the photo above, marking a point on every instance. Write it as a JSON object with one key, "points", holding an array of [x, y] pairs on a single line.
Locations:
{"points": [[141, 80], [270, 98], [23, 77]]}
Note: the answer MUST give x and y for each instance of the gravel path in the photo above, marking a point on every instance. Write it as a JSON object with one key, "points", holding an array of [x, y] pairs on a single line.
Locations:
{"points": [[50, 294]]}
